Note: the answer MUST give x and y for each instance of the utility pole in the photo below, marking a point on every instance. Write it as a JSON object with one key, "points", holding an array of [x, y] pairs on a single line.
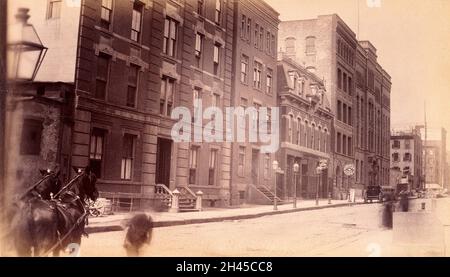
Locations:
{"points": [[424, 146]]}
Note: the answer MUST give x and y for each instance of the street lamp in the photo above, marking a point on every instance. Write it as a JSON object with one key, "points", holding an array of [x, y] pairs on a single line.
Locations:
{"points": [[25, 50], [296, 170], [275, 168]]}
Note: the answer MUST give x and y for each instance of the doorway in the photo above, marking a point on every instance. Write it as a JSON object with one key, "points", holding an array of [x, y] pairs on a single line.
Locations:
{"points": [[255, 167], [163, 158]]}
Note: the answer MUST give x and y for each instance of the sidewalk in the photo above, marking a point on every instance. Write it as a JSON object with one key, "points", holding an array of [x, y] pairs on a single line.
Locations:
{"points": [[163, 219]]}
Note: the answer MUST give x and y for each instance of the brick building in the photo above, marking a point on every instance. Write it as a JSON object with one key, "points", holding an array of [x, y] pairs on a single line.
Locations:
{"points": [[254, 84], [306, 123], [360, 134], [406, 155]]}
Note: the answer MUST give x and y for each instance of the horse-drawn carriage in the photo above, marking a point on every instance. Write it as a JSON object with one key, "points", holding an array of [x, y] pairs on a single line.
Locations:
{"points": [[48, 216]]}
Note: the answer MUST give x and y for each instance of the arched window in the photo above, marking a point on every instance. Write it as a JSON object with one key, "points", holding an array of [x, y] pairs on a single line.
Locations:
{"points": [[306, 129], [312, 141], [319, 138], [299, 134], [290, 122]]}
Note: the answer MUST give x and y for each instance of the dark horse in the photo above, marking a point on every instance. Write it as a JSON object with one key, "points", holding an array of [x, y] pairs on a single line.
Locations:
{"points": [[40, 226]]}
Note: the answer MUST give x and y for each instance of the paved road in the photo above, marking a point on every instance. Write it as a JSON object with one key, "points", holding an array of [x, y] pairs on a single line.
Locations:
{"points": [[345, 231]]}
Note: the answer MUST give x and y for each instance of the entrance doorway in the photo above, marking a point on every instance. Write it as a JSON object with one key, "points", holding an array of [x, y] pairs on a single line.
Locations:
{"points": [[255, 167], [163, 158]]}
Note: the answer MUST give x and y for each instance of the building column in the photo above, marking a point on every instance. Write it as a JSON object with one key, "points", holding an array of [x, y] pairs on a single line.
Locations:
{"points": [[81, 138]]}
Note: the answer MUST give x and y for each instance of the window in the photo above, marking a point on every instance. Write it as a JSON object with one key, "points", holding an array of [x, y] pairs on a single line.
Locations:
{"points": [[166, 98], [395, 157], [268, 48], [244, 69], [299, 133], [269, 120], [290, 122], [136, 21], [215, 100], [350, 146], [257, 75], [54, 9], [96, 151], [193, 154], [339, 78], [200, 7], [249, 29], [212, 167], [396, 144], [128, 156], [30, 143], [273, 47], [338, 143], [242, 119], [102, 76], [198, 48], [293, 79], [350, 116], [170, 37], [350, 85], [218, 13], [344, 112], [290, 45], [256, 41], [344, 144], [339, 110], [344, 79], [216, 58], [266, 166], [269, 81], [261, 38], [133, 77], [407, 144], [243, 26], [241, 162], [312, 133], [407, 157], [197, 95], [256, 116], [106, 13], [310, 45]]}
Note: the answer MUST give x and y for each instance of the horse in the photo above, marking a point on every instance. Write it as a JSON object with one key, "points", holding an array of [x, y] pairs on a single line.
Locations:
{"points": [[42, 226], [50, 186]]}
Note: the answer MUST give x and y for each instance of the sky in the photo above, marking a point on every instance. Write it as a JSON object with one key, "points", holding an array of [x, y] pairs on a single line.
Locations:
{"points": [[412, 38]]}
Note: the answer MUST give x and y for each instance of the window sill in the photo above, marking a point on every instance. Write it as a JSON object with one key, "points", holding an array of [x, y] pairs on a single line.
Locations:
{"points": [[170, 58]]}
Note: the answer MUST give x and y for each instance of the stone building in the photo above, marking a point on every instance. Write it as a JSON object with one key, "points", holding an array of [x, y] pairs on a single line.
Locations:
{"points": [[359, 93], [306, 123], [406, 156]]}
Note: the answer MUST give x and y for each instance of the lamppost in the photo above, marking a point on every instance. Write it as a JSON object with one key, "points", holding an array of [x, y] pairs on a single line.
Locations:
{"points": [[275, 168], [296, 170], [25, 49], [318, 171], [24, 55]]}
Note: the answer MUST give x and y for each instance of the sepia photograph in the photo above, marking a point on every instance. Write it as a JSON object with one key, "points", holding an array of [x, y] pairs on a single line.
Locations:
{"points": [[224, 128]]}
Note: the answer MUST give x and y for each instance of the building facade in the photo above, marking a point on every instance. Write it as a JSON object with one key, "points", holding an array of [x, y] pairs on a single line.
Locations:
{"points": [[254, 84], [306, 122], [406, 156], [40, 113], [359, 93], [435, 157]]}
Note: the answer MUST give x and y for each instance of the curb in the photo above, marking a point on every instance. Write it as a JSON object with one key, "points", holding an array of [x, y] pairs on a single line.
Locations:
{"points": [[117, 226]]}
